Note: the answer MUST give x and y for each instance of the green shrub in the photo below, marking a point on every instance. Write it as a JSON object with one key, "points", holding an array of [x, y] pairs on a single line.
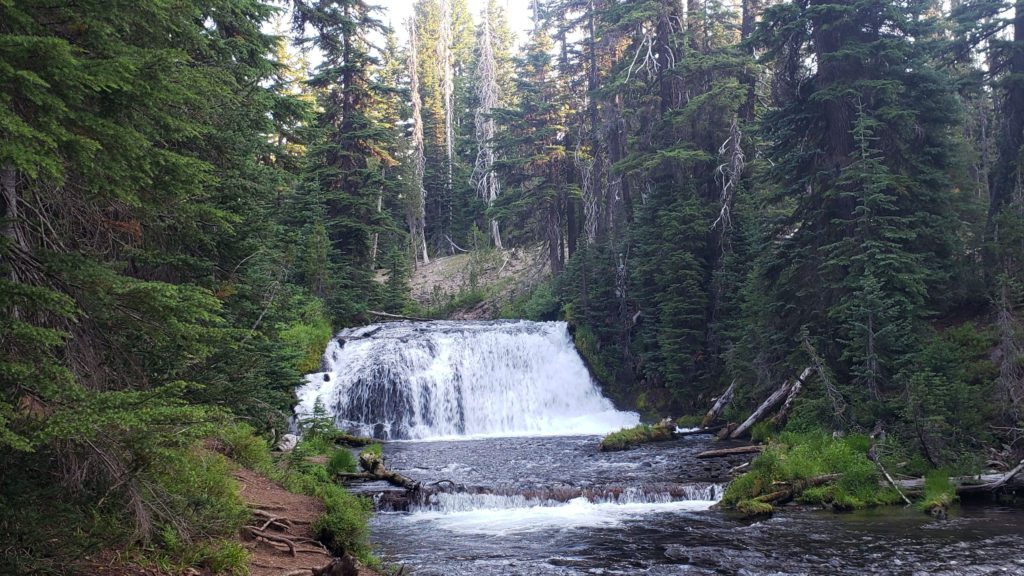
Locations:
{"points": [[375, 449], [541, 303], [342, 461], [199, 492], [344, 526], [246, 447], [939, 492], [630, 437], [762, 431], [307, 337], [795, 458]]}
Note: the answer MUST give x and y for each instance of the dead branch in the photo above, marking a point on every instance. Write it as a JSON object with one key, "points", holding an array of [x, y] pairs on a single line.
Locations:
{"points": [[889, 478]]}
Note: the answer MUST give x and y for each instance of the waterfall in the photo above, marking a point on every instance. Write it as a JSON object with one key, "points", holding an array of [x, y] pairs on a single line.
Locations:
{"points": [[403, 380]]}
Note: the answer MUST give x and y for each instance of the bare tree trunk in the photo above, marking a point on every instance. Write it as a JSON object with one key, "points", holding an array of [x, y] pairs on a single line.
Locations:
{"points": [[444, 51], [376, 235], [751, 10], [10, 225], [784, 391], [488, 92], [417, 213], [9, 215], [720, 405]]}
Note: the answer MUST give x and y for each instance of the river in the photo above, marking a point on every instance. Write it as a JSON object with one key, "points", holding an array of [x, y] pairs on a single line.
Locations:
{"points": [[660, 522], [500, 421]]}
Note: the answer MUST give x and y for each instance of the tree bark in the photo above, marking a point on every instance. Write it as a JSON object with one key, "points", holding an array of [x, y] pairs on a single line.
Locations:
{"points": [[971, 484], [763, 409], [720, 405], [783, 413]]}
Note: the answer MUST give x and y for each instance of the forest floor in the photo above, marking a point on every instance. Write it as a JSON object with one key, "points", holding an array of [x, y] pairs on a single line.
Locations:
{"points": [[265, 559], [475, 285]]}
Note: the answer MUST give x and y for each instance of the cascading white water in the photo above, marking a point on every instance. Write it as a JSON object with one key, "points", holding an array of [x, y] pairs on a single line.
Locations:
{"points": [[405, 380], [453, 502]]}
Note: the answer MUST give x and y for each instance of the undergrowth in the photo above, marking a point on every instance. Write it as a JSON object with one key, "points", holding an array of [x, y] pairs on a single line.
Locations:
{"points": [[939, 493], [795, 458], [344, 525]]}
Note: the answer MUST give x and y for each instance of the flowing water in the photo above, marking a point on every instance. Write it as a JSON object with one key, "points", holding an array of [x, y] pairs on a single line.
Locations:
{"points": [[458, 379], [530, 494]]}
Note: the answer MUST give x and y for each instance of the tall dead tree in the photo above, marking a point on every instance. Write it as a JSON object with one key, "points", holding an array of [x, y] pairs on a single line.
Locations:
{"points": [[484, 179], [444, 52], [416, 216]]}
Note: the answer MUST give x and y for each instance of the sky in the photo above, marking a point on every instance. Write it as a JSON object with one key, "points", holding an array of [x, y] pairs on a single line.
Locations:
{"points": [[395, 13]]}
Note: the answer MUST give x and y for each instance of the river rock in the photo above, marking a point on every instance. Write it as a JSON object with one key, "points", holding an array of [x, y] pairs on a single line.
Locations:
{"points": [[287, 442]]}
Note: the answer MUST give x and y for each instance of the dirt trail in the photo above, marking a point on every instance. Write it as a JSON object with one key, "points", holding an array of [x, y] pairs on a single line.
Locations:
{"points": [[297, 513]]}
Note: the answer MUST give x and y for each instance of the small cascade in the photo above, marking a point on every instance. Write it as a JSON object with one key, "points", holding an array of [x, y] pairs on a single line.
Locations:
{"points": [[458, 501], [434, 380]]}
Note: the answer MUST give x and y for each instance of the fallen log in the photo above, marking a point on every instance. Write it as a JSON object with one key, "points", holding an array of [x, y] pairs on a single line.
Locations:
{"points": [[971, 484], [788, 491], [993, 485], [373, 464], [783, 414], [355, 441], [723, 452], [783, 392], [758, 414], [719, 405]]}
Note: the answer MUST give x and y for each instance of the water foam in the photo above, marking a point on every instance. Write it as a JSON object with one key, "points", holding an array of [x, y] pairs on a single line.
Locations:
{"points": [[437, 380], [576, 513]]}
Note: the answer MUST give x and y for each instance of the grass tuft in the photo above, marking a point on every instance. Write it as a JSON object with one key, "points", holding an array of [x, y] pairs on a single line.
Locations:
{"points": [[631, 437], [797, 457]]}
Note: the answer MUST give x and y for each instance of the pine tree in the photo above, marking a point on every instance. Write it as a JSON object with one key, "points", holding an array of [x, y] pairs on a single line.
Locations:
{"points": [[347, 163], [860, 150]]}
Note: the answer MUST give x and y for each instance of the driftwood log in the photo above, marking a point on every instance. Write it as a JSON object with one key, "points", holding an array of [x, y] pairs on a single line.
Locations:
{"points": [[720, 405], [355, 441], [972, 484], [783, 414], [724, 452], [373, 464]]}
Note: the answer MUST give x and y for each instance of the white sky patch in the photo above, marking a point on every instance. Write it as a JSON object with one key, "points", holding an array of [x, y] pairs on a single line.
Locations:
{"points": [[396, 12]]}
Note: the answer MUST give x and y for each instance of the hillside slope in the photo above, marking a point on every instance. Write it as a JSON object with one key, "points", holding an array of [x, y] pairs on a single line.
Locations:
{"points": [[476, 285]]}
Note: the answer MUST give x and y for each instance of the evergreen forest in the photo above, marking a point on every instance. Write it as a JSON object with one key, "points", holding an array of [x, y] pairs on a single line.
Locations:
{"points": [[195, 195]]}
